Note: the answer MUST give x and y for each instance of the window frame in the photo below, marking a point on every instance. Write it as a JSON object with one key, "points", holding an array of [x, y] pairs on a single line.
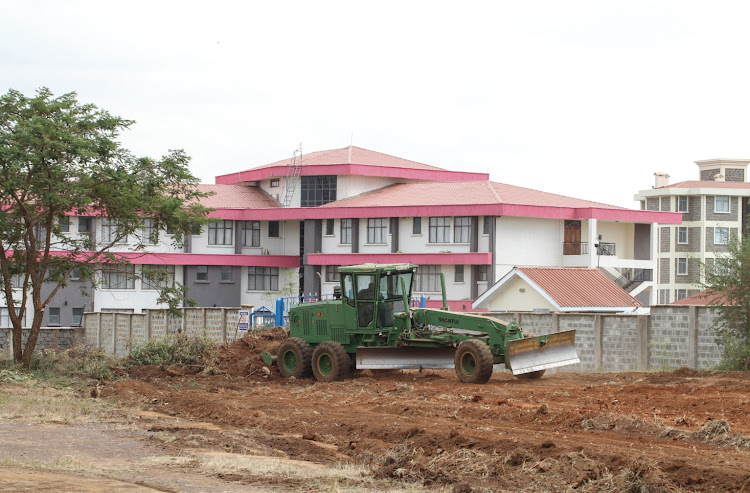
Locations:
{"points": [[680, 230], [442, 225], [84, 224], [716, 204], [427, 279], [416, 226], [110, 231], [330, 228], [275, 182], [332, 273], [149, 285], [486, 230], [345, 229], [201, 269], [462, 230], [75, 317], [121, 276], [679, 203], [254, 228], [50, 316], [726, 236], [459, 272], [225, 226], [274, 227], [224, 270], [263, 278], [483, 273], [682, 262], [148, 229], [679, 292], [377, 229], [64, 223]]}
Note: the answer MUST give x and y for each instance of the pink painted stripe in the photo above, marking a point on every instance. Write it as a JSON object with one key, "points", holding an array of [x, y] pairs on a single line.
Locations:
{"points": [[473, 258], [196, 259], [280, 214], [352, 169]]}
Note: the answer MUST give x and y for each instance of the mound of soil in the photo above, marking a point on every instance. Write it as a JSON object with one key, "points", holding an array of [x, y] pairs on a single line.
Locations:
{"points": [[242, 357]]}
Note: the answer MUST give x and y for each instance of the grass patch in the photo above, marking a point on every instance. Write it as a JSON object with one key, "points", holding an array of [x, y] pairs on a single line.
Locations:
{"points": [[29, 402], [173, 350], [78, 363]]}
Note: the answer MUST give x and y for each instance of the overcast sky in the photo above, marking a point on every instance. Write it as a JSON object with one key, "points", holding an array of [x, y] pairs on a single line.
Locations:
{"points": [[586, 99]]}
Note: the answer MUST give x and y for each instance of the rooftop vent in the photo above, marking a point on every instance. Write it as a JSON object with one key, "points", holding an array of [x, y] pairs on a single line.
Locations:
{"points": [[661, 179]]}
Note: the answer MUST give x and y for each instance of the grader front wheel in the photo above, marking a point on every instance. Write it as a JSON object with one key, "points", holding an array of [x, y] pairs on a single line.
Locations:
{"points": [[473, 362], [330, 362]]}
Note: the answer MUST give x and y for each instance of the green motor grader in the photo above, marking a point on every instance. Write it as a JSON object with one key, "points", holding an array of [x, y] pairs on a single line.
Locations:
{"points": [[373, 327]]}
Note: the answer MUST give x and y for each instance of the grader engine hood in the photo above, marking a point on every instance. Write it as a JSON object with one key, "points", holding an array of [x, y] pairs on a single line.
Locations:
{"points": [[532, 354]]}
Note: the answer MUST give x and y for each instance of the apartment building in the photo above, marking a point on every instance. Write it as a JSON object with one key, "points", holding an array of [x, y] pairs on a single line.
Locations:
{"points": [[283, 228], [714, 208]]}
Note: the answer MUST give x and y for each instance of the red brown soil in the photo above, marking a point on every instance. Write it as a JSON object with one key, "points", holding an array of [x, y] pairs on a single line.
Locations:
{"points": [[565, 431]]}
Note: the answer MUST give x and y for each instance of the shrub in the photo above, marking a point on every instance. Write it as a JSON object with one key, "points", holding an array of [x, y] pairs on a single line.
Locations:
{"points": [[173, 350], [77, 362]]}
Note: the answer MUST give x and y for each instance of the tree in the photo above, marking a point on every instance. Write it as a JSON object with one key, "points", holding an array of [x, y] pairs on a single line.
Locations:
{"points": [[727, 282], [60, 158]]}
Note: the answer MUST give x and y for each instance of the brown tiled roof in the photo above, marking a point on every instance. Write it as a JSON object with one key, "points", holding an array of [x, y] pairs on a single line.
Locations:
{"points": [[573, 287], [462, 193], [699, 299], [352, 155], [710, 184]]}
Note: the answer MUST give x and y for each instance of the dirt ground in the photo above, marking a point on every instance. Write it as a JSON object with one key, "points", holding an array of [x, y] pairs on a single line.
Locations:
{"points": [[684, 430]]}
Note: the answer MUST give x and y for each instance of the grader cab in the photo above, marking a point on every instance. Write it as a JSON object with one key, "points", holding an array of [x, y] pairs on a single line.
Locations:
{"points": [[372, 326]]}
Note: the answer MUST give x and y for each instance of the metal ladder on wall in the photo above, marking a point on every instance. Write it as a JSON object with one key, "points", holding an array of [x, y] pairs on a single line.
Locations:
{"points": [[292, 175]]}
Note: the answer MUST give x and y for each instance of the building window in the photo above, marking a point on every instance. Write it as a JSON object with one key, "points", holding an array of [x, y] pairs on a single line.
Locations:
{"points": [[75, 274], [251, 233], [682, 269], [118, 276], [220, 233], [274, 183], [64, 223], [332, 273], [682, 235], [150, 234], [110, 231], [77, 317], [84, 224], [263, 278], [721, 204], [16, 281], [226, 273], [161, 276], [329, 227], [5, 317], [462, 230], [201, 273], [458, 273], [440, 230], [346, 231], [377, 230], [721, 236], [681, 293], [416, 226], [196, 229], [487, 224], [318, 190], [427, 279], [273, 229], [482, 275], [54, 315], [682, 203]]}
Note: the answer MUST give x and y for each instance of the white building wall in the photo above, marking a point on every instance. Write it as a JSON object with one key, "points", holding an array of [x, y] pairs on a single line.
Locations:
{"points": [[136, 299], [531, 242], [288, 286]]}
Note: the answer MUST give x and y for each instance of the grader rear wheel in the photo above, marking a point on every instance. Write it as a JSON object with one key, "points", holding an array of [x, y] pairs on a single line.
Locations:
{"points": [[294, 357], [473, 362], [330, 362]]}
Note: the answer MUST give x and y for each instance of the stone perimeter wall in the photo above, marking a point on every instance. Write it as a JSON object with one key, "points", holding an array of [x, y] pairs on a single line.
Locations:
{"points": [[670, 337]]}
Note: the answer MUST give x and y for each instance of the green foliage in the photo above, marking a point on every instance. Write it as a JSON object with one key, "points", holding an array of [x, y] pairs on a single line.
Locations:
{"points": [[60, 158], [173, 350], [72, 364], [729, 280]]}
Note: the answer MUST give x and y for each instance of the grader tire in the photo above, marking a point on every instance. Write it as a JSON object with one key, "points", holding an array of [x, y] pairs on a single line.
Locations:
{"points": [[330, 362], [294, 358], [473, 362], [532, 375]]}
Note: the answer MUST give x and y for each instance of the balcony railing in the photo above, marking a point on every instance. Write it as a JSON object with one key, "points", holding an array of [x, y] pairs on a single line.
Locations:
{"points": [[606, 249], [575, 248]]}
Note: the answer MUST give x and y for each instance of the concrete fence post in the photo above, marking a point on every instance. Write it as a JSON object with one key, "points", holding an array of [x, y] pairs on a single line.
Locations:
{"points": [[148, 324], [224, 325], [692, 342], [643, 338], [598, 344], [184, 320], [99, 332], [555, 322], [114, 333], [205, 329], [129, 344]]}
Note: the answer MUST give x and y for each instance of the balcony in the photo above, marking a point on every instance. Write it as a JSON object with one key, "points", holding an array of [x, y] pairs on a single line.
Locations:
{"points": [[582, 248]]}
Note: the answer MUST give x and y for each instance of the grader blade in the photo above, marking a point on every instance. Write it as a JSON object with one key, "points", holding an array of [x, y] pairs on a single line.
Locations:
{"points": [[542, 352], [404, 358]]}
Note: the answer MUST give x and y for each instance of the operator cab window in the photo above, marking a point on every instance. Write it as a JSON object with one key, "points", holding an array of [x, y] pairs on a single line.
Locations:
{"points": [[348, 289], [365, 298]]}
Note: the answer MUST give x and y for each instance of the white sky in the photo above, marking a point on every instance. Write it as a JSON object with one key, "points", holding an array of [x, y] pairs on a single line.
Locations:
{"points": [[586, 99]]}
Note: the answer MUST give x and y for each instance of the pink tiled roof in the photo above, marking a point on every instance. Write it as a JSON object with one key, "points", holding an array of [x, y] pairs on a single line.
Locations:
{"points": [[709, 184], [352, 155], [699, 299], [236, 197], [462, 193], [573, 287]]}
